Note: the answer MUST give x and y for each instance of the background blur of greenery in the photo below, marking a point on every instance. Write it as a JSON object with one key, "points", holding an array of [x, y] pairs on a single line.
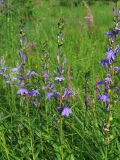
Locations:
{"points": [[78, 2], [84, 47]]}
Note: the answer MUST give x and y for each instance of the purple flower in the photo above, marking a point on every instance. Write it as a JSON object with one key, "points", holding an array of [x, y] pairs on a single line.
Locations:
{"points": [[20, 53], [16, 69], [66, 111], [58, 71], [33, 93], [114, 11], [104, 98], [57, 95], [112, 34], [119, 12], [20, 78], [101, 82], [63, 64], [45, 74], [117, 49], [110, 55], [60, 79], [22, 56], [49, 95], [1, 1], [108, 79], [14, 79], [5, 75], [29, 74], [117, 69], [21, 84], [22, 91], [104, 62], [23, 59], [52, 85], [67, 93]]}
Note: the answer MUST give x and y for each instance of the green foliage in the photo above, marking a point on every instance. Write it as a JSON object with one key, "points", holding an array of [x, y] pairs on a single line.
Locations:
{"points": [[23, 8], [80, 2], [75, 2], [37, 136]]}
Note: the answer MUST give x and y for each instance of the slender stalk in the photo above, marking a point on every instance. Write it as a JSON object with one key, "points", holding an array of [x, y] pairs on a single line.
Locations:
{"points": [[30, 135], [46, 111], [106, 152], [61, 137], [4, 145], [39, 121]]}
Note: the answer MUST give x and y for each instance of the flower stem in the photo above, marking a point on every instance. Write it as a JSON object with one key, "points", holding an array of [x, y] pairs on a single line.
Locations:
{"points": [[30, 130], [61, 137], [106, 152]]}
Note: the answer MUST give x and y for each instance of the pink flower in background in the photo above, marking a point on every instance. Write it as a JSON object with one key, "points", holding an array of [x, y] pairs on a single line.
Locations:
{"points": [[89, 19]]}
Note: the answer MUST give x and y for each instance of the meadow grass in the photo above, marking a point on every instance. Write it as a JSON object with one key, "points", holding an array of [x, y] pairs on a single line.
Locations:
{"points": [[28, 133]]}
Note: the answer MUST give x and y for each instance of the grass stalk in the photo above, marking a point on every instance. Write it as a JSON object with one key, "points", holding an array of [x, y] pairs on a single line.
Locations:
{"points": [[30, 130], [61, 137]]}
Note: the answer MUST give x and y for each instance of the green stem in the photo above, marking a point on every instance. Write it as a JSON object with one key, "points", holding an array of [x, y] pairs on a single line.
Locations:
{"points": [[61, 136], [46, 111], [39, 121], [106, 152], [19, 126], [30, 136], [3, 140]]}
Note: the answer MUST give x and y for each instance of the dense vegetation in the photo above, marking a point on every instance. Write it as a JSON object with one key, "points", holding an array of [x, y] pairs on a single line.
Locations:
{"points": [[50, 53]]}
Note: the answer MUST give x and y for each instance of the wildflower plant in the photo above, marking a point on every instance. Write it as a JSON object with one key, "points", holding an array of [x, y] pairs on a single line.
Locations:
{"points": [[24, 76], [62, 94], [108, 83], [89, 20], [45, 66], [42, 114], [27, 83]]}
